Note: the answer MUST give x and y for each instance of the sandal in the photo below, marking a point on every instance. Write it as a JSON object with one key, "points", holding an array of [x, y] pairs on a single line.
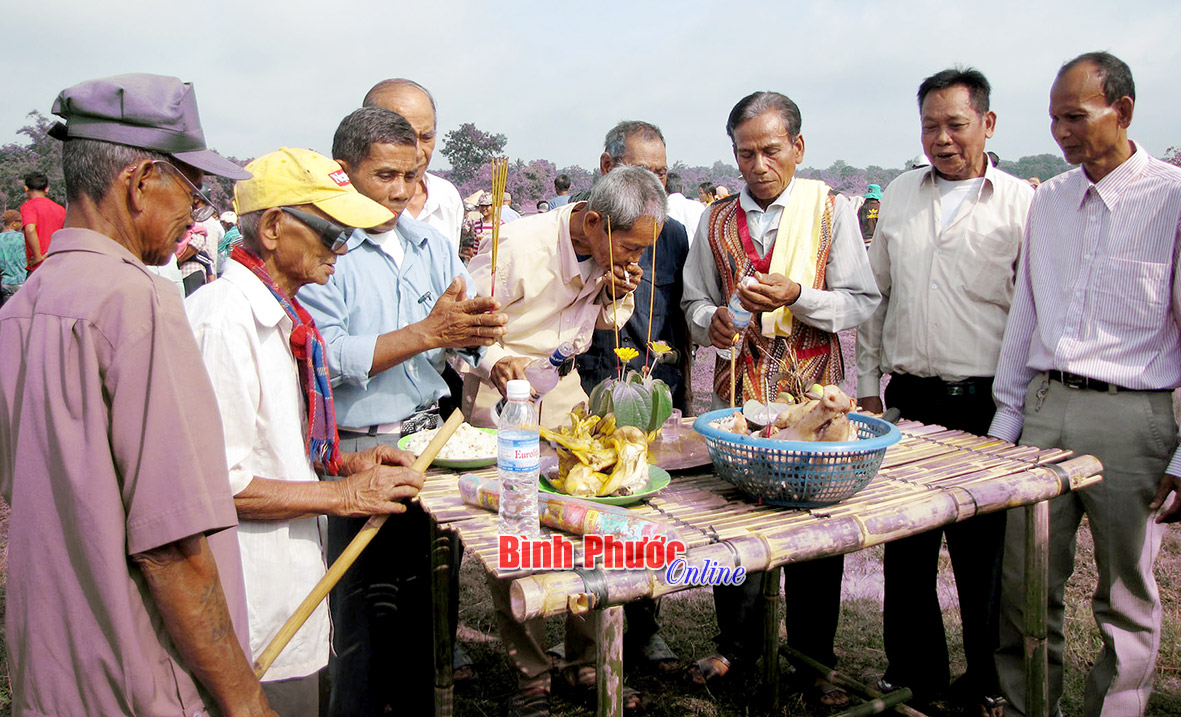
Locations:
{"points": [[463, 669], [655, 656], [823, 693], [709, 670], [529, 702], [581, 679]]}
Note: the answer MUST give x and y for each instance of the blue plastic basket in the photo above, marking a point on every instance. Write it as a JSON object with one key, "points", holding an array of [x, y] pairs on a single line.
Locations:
{"points": [[798, 474]]}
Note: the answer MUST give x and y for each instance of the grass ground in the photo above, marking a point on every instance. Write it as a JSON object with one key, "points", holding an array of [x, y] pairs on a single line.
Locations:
{"points": [[689, 625]]}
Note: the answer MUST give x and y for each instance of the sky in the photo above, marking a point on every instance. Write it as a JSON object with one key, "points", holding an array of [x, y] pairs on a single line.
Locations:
{"points": [[554, 77]]}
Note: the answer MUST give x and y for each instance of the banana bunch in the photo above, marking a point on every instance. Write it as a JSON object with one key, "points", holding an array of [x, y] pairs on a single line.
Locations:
{"points": [[596, 457]]}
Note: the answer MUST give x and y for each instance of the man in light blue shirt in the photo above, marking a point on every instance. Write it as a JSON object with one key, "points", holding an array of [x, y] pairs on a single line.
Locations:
{"points": [[395, 305]]}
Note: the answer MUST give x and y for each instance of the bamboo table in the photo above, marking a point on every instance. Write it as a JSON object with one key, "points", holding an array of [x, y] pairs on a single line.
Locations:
{"points": [[932, 477]]}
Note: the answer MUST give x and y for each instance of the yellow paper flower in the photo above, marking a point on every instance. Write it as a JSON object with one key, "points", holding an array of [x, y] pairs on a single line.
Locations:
{"points": [[627, 353], [660, 348]]}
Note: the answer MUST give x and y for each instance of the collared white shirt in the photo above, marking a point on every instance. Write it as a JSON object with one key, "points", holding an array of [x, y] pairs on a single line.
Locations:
{"points": [[443, 209], [686, 211], [243, 334], [849, 296], [1098, 293], [946, 282]]}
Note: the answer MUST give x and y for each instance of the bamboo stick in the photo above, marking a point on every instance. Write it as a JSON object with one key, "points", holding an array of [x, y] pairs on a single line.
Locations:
{"points": [[878, 702], [441, 552], [733, 367], [652, 292], [347, 558], [770, 670], [1037, 579], [609, 663]]}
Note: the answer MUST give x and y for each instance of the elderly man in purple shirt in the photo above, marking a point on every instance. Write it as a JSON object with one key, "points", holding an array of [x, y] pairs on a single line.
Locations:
{"points": [[1091, 354], [125, 587]]}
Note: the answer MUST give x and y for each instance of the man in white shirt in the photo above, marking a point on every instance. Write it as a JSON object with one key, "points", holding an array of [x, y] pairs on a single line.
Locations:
{"points": [[944, 254], [683, 209], [436, 202], [266, 361]]}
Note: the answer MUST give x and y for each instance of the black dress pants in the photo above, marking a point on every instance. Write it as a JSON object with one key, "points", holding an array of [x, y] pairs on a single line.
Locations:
{"points": [[916, 646], [812, 593]]}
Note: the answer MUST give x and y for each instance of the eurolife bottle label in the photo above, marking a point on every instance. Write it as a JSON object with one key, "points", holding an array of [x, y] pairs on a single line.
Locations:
{"points": [[520, 453]]}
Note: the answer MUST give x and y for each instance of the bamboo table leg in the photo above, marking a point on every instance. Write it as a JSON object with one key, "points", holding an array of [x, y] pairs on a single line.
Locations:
{"points": [[771, 640], [441, 598], [609, 662], [1037, 578]]}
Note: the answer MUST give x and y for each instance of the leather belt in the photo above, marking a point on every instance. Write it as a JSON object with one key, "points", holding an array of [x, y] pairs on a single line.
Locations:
{"points": [[1071, 380]]}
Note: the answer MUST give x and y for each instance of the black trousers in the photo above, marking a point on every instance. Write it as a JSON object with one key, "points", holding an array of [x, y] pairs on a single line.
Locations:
{"points": [[916, 646], [812, 593], [382, 613]]}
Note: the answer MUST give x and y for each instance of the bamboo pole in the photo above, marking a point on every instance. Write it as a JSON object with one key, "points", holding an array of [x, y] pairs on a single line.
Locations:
{"points": [[792, 536], [1037, 579], [347, 558], [609, 662], [441, 552], [770, 675], [878, 702]]}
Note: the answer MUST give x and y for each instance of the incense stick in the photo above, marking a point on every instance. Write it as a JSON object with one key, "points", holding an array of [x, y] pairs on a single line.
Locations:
{"points": [[651, 291], [614, 303], [499, 180]]}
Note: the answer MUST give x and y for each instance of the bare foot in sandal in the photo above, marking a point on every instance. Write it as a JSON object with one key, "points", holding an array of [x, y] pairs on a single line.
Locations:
{"points": [[827, 694], [709, 669], [582, 678]]}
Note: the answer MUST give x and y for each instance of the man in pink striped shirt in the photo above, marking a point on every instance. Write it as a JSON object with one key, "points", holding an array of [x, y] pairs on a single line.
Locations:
{"points": [[1091, 354]]}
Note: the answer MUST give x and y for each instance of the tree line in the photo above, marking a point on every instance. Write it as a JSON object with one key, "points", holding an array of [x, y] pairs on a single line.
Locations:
{"points": [[469, 151]]}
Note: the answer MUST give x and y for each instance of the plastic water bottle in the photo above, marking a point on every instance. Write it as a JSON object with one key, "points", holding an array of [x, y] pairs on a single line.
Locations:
{"points": [[518, 461], [739, 315], [542, 374]]}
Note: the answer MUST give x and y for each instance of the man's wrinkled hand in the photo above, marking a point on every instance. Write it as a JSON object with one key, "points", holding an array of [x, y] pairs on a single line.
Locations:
{"points": [[721, 328], [871, 404], [626, 279], [380, 455], [768, 292], [378, 490], [459, 323], [1168, 484], [508, 369]]}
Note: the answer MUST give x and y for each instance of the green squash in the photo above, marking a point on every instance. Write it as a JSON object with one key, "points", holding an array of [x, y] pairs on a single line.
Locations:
{"points": [[640, 401]]}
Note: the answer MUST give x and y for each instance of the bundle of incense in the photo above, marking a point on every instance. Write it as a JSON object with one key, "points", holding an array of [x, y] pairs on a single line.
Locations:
{"points": [[568, 514], [652, 290], [499, 180]]}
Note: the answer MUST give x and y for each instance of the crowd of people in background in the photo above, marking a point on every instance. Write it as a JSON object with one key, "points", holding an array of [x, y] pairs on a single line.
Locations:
{"points": [[188, 395]]}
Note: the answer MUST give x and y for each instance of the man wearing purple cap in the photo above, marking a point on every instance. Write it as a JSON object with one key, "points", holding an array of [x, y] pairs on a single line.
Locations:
{"points": [[125, 584]]}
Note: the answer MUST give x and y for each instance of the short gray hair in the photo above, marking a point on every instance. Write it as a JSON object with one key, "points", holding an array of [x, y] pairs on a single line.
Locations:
{"points": [[91, 165], [626, 194], [371, 96], [365, 127], [249, 224], [756, 103], [615, 143]]}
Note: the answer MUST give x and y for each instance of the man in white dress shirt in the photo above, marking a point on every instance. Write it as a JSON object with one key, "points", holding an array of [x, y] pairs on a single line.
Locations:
{"points": [[685, 210], [436, 202], [1091, 354], [293, 217], [944, 253]]}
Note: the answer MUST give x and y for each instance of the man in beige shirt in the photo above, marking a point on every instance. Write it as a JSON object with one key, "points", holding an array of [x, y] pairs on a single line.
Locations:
{"points": [[553, 279], [944, 256], [556, 277]]}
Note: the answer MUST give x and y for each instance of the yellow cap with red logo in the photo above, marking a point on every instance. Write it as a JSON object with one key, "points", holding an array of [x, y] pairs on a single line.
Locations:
{"points": [[291, 176]]}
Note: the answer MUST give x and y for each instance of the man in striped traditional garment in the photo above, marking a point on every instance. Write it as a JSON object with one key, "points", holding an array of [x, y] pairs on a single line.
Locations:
{"points": [[804, 250], [1091, 355]]}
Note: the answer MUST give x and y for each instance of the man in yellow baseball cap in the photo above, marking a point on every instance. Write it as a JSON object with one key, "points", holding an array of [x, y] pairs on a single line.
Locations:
{"points": [[268, 365]]}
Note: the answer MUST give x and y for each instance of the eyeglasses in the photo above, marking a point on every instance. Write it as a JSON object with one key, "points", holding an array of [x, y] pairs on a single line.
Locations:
{"points": [[202, 205], [335, 236]]}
